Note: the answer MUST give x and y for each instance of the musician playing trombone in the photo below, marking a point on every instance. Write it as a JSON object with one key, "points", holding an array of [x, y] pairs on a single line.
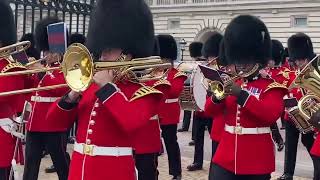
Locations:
{"points": [[247, 45], [115, 105], [9, 104]]}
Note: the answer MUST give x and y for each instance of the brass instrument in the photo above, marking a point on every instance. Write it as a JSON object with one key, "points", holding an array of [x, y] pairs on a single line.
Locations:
{"points": [[14, 48], [218, 88], [33, 61], [308, 79], [78, 69]]}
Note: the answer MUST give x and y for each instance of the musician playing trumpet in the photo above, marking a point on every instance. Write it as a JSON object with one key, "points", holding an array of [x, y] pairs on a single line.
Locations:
{"points": [[247, 45]]}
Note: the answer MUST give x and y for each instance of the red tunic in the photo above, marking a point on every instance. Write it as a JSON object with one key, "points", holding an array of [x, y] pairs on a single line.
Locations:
{"points": [[250, 154], [37, 121], [8, 109], [147, 139], [316, 146], [218, 122], [107, 122], [170, 112]]}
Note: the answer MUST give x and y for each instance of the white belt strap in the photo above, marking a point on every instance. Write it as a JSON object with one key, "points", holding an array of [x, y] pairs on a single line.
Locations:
{"points": [[43, 99], [168, 101], [93, 150], [246, 131]]}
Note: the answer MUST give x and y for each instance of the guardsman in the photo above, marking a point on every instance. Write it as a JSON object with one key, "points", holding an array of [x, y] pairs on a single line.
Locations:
{"points": [[44, 134], [202, 122], [315, 151], [169, 112], [147, 140], [300, 53], [195, 53], [9, 105], [247, 45], [110, 111], [280, 74]]}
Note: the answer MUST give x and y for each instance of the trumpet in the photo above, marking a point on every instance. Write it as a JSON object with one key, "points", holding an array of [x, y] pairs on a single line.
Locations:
{"points": [[78, 69], [14, 48]]}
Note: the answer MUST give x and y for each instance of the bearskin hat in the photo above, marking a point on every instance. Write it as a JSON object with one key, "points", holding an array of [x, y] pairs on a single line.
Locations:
{"points": [[121, 24], [168, 47], [8, 31], [195, 49], [222, 61], [31, 51], [277, 52], [247, 40], [212, 45], [41, 32], [156, 49], [77, 38], [300, 47], [28, 37]]}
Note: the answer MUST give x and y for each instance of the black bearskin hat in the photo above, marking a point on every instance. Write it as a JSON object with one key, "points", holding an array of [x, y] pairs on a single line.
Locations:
{"points": [[277, 52], [121, 24], [212, 45], [195, 49], [77, 38], [168, 47], [247, 40], [8, 31], [222, 61], [32, 51], [156, 48], [41, 32], [300, 47]]}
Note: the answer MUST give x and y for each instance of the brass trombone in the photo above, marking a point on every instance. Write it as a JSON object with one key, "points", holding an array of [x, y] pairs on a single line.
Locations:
{"points": [[78, 69], [14, 48]]}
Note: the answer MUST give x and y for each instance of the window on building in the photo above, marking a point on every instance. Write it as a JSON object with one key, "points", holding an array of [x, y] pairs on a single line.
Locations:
{"points": [[300, 21], [173, 23]]}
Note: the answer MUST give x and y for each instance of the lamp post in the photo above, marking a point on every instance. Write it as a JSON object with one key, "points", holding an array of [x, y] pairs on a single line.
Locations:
{"points": [[183, 44]]}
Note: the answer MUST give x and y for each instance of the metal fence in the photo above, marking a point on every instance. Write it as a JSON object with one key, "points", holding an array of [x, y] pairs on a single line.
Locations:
{"points": [[75, 13]]}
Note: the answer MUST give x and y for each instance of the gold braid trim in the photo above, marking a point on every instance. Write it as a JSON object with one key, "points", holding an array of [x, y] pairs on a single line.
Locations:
{"points": [[179, 74], [161, 82], [12, 66], [275, 85], [144, 91]]}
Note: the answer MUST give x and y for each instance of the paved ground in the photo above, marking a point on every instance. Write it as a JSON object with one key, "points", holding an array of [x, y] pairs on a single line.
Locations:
{"points": [[303, 169]]}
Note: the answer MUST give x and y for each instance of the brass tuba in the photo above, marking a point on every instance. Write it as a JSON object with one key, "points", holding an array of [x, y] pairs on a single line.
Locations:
{"points": [[309, 79]]}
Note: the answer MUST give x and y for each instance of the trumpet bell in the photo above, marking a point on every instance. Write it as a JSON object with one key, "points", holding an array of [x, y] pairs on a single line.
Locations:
{"points": [[78, 67]]}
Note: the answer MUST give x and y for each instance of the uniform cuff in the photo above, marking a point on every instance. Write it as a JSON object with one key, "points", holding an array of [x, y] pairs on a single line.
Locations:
{"points": [[243, 98], [67, 105], [106, 92]]}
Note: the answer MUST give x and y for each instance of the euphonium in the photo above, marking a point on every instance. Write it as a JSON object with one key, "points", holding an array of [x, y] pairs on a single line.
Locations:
{"points": [[309, 79]]}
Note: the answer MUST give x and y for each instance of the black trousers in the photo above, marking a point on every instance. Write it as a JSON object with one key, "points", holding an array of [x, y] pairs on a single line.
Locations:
{"points": [[291, 144], [169, 134], [201, 125], [5, 173], [223, 174], [316, 161], [215, 145], [147, 166], [276, 136], [56, 144], [186, 119]]}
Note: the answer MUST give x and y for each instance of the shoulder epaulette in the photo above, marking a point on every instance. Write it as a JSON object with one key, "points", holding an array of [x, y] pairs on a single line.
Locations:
{"points": [[275, 85], [161, 82], [285, 73], [179, 74], [144, 91], [12, 66]]}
